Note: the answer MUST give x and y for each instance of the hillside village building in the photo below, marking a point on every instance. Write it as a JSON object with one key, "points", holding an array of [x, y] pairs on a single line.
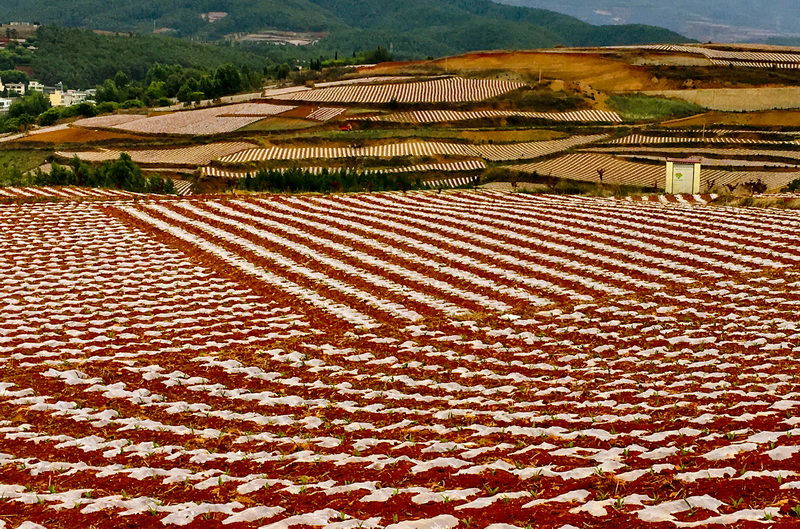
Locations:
{"points": [[5, 104], [15, 88], [61, 98]]}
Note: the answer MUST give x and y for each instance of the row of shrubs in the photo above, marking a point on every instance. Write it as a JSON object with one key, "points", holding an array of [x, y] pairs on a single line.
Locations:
{"points": [[344, 180], [793, 186], [122, 173]]}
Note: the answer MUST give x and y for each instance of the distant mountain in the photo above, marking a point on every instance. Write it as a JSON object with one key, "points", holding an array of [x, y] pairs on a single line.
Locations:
{"points": [[718, 21], [409, 27]]}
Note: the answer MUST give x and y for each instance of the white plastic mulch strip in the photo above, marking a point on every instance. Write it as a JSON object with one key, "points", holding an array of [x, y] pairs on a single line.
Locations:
{"points": [[466, 165], [440, 116]]}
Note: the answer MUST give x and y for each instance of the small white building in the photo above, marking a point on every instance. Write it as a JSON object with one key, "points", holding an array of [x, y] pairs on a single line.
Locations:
{"points": [[35, 86], [16, 88], [683, 176], [5, 104]]}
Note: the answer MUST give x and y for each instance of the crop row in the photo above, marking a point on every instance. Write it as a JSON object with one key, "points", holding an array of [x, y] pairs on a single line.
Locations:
{"points": [[64, 192], [766, 58], [369, 151], [533, 149], [465, 165], [641, 139], [183, 187], [441, 116], [752, 64], [194, 155], [514, 151], [458, 181], [325, 113]]}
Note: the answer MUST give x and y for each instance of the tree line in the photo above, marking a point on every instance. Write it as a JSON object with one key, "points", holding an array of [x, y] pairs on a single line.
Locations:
{"points": [[122, 174], [298, 180], [163, 82]]}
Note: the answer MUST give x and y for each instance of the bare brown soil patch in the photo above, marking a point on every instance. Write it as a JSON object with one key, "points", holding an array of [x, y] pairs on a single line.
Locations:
{"points": [[388, 66], [601, 73], [508, 136], [300, 112], [651, 59], [78, 135]]}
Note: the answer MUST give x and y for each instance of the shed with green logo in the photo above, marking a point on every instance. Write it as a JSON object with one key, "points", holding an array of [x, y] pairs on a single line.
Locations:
{"points": [[683, 176]]}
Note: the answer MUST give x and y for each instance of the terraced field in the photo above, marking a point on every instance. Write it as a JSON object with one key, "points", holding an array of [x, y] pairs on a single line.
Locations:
{"points": [[513, 151], [739, 58], [81, 193], [201, 122], [331, 153], [187, 156], [450, 90], [325, 113], [534, 149], [398, 360]]}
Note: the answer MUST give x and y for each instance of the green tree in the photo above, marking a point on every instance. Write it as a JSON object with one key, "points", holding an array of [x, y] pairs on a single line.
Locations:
{"points": [[7, 60], [169, 186], [49, 117], [13, 76], [229, 80], [33, 104], [127, 175], [121, 80], [11, 125], [380, 54], [86, 110], [108, 92], [156, 90]]}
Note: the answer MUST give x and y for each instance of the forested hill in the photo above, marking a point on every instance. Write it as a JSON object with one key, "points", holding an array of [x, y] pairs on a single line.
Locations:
{"points": [[410, 27]]}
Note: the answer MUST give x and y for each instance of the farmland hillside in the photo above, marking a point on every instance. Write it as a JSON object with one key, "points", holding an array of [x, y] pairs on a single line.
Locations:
{"points": [[410, 27]]}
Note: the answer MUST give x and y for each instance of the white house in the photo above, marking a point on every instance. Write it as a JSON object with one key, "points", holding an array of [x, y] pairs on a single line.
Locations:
{"points": [[5, 104], [35, 86], [18, 88]]}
